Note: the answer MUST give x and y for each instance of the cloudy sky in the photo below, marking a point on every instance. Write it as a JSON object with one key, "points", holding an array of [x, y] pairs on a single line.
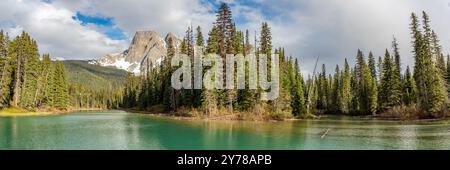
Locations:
{"points": [[333, 29]]}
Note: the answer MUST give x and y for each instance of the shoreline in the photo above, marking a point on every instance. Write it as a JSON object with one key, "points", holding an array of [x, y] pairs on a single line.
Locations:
{"points": [[174, 116], [234, 117]]}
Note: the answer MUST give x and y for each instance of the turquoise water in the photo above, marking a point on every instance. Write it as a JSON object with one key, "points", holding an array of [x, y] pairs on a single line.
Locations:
{"points": [[119, 130]]}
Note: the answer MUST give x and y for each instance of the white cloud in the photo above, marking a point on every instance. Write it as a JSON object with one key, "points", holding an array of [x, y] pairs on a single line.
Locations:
{"points": [[335, 29], [55, 30], [161, 16]]}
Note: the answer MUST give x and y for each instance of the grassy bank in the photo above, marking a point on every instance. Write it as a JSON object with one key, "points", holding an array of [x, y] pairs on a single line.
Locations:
{"points": [[19, 112], [12, 112]]}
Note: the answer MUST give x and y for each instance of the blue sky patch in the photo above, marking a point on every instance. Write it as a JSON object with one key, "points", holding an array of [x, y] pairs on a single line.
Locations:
{"points": [[106, 25]]}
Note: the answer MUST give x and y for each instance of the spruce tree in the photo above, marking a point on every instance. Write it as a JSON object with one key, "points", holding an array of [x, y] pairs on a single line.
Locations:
{"points": [[396, 55], [297, 93], [335, 94], [364, 89], [59, 87], [3, 50], [42, 93], [410, 89], [224, 25], [345, 90], [200, 41], [31, 76], [17, 53], [380, 68], [213, 42], [447, 78], [372, 65], [432, 93], [169, 92], [5, 71], [437, 53], [247, 46], [390, 84], [323, 90]]}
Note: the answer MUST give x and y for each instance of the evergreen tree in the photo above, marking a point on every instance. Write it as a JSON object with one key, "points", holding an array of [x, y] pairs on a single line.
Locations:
{"points": [[390, 84], [224, 25], [335, 94], [437, 52], [31, 75], [297, 93], [247, 46], [364, 88], [433, 95], [410, 89], [380, 68], [246, 97], [213, 42], [266, 40], [18, 52], [42, 93], [3, 50], [59, 88], [345, 90], [5, 71], [447, 78], [323, 90], [441, 65], [372, 65], [169, 92], [200, 41], [396, 55]]}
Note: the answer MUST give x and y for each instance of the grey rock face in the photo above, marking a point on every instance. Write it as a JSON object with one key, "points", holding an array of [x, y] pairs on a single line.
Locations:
{"points": [[147, 49]]}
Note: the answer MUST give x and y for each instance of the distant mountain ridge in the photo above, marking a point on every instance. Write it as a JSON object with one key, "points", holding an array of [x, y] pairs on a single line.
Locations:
{"points": [[82, 73], [146, 49]]}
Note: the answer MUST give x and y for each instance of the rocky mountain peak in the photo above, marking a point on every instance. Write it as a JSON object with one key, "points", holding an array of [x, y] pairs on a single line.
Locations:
{"points": [[147, 49]]}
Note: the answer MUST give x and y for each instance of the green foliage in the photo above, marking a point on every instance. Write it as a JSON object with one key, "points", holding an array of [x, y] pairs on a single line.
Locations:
{"points": [[200, 41], [432, 93], [372, 66], [79, 72], [59, 88], [5, 71], [297, 93], [345, 90], [390, 92], [410, 89], [93, 86], [26, 81]]}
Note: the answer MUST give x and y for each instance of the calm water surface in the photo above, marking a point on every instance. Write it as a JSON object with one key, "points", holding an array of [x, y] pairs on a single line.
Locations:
{"points": [[120, 130]]}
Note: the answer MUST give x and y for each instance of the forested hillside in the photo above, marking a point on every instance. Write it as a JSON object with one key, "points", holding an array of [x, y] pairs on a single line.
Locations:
{"points": [[93, 86], [82, 73]]}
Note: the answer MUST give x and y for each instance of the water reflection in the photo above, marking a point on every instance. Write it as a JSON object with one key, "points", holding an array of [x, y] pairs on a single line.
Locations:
{"points": [[120, 130]]}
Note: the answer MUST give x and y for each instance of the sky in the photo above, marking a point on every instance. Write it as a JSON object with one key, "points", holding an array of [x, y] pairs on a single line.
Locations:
{"points": [[331, 29]]}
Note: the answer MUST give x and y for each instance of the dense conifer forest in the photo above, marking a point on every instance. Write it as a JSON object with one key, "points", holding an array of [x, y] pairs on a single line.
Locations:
{"points": [[29, 81], [382, 87]]}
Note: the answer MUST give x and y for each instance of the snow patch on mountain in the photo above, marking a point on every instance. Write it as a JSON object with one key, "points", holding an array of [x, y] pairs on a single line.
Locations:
{"points": [[147, 49]]}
